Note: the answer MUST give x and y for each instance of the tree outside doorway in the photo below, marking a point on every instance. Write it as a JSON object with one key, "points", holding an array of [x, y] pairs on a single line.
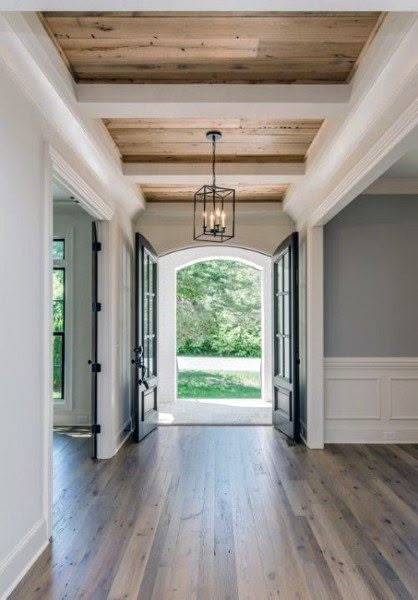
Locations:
{"points": [[219, 330]]}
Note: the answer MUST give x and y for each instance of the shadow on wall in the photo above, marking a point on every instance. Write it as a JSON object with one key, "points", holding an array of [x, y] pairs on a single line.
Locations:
{"points": [[259, 226]]}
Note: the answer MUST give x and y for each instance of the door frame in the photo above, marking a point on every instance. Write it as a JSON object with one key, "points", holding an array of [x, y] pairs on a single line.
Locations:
{"points": [[169, 264], [311, 246], [57, 169]]}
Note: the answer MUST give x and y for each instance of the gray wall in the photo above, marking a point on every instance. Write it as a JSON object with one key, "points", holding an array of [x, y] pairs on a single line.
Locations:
{"points": [[371, 278]]}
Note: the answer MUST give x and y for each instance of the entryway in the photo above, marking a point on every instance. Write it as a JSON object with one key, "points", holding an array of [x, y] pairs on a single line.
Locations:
{"points": [[207, 377], [74, 318]]}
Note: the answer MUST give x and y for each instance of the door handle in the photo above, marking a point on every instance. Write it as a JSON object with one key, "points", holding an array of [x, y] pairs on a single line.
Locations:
{"points": [[138, 352]]}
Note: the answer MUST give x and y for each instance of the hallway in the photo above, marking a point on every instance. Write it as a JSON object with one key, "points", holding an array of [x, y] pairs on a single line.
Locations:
{"points": [[230, 512]]}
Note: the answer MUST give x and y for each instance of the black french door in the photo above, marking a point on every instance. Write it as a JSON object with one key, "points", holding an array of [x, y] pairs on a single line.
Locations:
{"points": [[145, 413], [286, 338], [93, 362]]}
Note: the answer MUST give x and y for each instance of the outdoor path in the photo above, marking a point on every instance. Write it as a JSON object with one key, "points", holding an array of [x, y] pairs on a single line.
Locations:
{"points": [[218, 363], [209, 411]]}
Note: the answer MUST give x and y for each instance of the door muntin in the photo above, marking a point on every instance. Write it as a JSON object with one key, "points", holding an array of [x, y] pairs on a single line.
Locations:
{"points": [[145, 352]]}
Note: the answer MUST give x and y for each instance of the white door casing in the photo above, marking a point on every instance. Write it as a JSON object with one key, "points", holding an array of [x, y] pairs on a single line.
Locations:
{"points": [[169, 264]]}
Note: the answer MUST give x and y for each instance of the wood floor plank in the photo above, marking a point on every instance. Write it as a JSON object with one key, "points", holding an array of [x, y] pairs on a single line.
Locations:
{"points": [[205, 513]]}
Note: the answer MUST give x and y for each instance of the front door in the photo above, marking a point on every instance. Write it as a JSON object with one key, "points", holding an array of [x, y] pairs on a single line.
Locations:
{"points": [[145, 411], [286, 346]]}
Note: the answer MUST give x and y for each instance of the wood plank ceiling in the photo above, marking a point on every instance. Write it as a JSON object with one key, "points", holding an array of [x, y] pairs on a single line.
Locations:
{"points": [[244, 193], [135, 47], [212, 47], [184, 140]]}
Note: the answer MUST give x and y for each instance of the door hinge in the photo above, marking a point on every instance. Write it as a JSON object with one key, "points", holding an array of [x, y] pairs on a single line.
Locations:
{"points": [[96, 307], [96, 367], [96, 429], [97, 246]]}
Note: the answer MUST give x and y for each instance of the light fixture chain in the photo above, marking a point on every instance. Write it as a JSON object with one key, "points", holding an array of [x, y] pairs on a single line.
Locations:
{"points": [[213, 160]]}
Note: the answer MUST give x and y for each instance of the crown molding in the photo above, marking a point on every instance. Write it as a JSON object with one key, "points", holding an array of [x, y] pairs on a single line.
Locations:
{"points": [[389, 147], [33, 61], [380, 126], [69, 178]]}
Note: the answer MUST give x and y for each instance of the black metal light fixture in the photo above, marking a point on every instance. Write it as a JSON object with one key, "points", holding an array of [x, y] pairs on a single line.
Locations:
{"points": [[214, 206]]}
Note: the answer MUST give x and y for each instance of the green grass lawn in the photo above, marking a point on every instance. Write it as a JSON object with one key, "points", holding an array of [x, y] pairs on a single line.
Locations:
{"points": [[218, 384]]}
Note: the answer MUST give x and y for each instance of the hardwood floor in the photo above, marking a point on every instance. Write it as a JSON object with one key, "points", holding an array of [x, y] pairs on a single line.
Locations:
{"points": [[231, 512]]}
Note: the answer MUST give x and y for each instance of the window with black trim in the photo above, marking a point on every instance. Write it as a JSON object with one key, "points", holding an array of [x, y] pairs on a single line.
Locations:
{"points": [[58, 320]]}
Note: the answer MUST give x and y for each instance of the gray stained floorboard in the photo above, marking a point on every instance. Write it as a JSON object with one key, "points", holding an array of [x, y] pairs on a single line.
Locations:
{"points": [[230, 512]]}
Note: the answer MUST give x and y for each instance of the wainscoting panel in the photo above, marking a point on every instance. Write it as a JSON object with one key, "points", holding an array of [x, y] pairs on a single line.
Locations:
{"points": [[371, 400]]}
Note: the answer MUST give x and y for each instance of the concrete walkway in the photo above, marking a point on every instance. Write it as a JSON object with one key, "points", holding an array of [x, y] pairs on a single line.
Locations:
{"points": [[218, 363], [215, 412]]}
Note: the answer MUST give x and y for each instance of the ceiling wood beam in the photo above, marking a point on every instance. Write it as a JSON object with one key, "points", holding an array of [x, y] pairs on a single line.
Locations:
{"points": [[226, 173], [213, 101], [243, 193]]}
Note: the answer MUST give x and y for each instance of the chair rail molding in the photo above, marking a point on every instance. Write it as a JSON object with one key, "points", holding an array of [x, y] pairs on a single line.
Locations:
{"points": [[371, 399]]}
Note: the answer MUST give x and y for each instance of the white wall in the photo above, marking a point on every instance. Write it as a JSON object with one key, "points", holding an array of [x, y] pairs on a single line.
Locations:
{"points": [[74, 224], [259, 226], [24, 275], [167, 287], [22, 452], [124, 327]]}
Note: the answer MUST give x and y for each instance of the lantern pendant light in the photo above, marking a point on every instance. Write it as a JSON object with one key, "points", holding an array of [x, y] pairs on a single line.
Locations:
{"points": [[214, 206]]}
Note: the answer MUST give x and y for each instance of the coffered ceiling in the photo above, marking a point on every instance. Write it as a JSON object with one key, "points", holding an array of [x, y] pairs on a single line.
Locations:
{"points": [[211, 47], [155, 52]]}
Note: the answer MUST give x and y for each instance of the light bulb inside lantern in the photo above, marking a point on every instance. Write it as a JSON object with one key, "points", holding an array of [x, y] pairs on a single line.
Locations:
{"points": [[223, 219], [212, 220]]}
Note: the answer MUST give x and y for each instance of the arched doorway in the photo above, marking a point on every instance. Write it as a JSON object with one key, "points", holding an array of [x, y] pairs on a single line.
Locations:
{"points": [[169, 266]]}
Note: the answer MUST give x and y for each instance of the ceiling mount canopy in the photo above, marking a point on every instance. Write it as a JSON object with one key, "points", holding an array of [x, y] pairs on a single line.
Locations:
{"points": [[214, 206]]}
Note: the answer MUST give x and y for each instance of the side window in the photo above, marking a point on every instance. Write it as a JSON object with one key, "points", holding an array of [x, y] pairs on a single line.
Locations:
{"points": [[58, 319]]}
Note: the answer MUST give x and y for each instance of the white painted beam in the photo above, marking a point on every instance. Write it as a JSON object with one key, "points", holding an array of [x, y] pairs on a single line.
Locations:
{"points": [[381, 126], [213, 101], [227, 173], [30, 55], [208, 5]]}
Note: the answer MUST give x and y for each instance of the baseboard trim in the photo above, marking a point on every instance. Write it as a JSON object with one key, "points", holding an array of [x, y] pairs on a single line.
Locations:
{"points": [[303, 432], [123, 435], [18, 562], [370, 436]]}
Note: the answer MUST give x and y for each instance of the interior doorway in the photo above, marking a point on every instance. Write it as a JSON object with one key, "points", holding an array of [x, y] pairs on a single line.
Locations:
{"points": [[215, 354], [74, 321]]}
